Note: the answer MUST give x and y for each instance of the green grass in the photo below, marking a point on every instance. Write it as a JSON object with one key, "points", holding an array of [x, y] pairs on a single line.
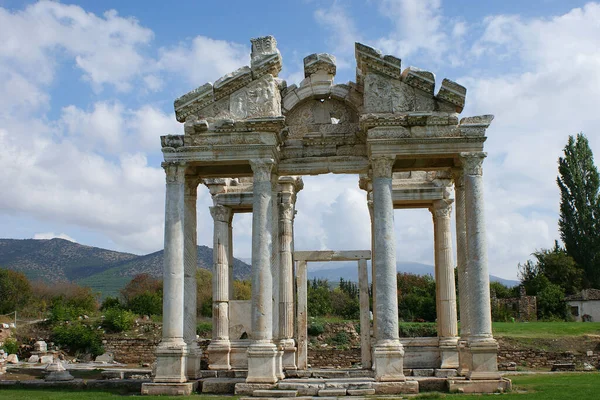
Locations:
{"points": [[545, 329]]}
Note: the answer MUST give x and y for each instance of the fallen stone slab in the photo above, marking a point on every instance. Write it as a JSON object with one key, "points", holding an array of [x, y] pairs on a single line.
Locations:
{"points": [[479, 386], [169, 389], [361, 392], [445, 373], [246, 389]]}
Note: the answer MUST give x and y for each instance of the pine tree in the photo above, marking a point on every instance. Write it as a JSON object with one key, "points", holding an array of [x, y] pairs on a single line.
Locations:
{"points": [[579, 225]]}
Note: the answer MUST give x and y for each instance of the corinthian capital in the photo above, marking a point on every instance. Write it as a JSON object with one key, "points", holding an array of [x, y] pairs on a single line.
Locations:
{"points": [[175, 172], [442, 208], [382, 166], [286, 211], [472, 162], [221, 213], [262, 169]]}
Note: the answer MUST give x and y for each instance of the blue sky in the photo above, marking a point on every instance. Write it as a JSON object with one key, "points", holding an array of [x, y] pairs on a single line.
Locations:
{"points": [[87, 88]]}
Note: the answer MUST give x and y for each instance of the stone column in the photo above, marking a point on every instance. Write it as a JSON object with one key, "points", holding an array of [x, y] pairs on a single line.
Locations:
{"points": [[464, 359], [190, 287], [262, 351], [171, 353], [286, 285], [373, 274], [447, 325], [220, 346], [302, 317], [388, 353], [365, 321], [276, 275], [230, 261], [482, 345]]}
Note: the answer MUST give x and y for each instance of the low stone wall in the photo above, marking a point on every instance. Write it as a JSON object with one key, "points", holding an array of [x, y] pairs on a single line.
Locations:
{"points": [[536, 359], [332, 358], [131, 350]]}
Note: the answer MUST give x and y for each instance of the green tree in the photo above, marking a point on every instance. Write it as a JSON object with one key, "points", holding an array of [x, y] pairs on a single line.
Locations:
{"points": [[15, 291], [560, 268], [579, 184]]}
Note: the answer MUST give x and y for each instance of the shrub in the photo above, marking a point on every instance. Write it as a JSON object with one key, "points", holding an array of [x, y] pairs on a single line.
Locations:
{"points": [[206, 308], [141, 283], [204, 328], [79, 338], [110, 302], [418, 329], [10, 346], [340, 339], [146, 303], [315, 328], [15, 291], [60, 311], [117, 320]]}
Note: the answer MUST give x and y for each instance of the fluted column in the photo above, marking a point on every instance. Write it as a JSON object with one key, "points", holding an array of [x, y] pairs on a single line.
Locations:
{"points": [[373, 274], [220, 346], [230, 261], [190, 286], [447, 325], [482, 345], [302, 314], [262, 351], [286, 284], [172, 351], [464, 359], [388, 353]]}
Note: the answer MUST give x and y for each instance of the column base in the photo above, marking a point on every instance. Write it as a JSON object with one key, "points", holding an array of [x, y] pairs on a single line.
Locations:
{"points": [[388, 361], [218, 354], [484, 359], [171, 362], [169, 389], [193, 361], [464, 358], [279, 363], [449, 353], [289, 354], [261, 363]]}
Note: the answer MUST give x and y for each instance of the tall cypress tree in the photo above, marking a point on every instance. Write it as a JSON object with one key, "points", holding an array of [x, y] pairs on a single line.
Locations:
{"points": [[579, 225]]}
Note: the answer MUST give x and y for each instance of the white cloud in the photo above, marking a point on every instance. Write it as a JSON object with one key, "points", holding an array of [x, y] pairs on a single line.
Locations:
{"points": [[203, 59], [52, 235], [107, 49], [343, 32], [549, 91]]}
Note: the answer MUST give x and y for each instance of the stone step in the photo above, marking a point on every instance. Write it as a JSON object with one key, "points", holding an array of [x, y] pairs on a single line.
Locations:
{"points": [[220, 385], [334, 392], [277, 393]]}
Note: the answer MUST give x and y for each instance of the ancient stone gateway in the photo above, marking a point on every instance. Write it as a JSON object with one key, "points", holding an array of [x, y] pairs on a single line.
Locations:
{"points": [[248, 138]]}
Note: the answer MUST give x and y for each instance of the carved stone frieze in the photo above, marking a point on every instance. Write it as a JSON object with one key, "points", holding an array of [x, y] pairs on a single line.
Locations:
{"points": [[173, 141], [319, 63], [382, 166], [265, 57], [262, 169], [221, 213], [475, 126], [232, 81], [260, 98], [175, 172], [473, 162], [442, 208], [453, 93], [417, 78], [370, 60], [191, 102]]}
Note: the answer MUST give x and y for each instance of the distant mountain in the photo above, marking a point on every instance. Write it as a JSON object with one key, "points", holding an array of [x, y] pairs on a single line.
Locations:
{"points": [[349, 271], [103, 270]]}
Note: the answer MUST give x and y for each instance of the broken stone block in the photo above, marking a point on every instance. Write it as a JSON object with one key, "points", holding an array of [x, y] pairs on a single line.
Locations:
{"points": [[105, 358], [34, 359], [12, 359]]}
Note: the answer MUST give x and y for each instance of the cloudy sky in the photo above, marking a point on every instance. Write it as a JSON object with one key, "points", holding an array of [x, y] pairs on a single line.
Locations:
{"points": [[87, 88]]}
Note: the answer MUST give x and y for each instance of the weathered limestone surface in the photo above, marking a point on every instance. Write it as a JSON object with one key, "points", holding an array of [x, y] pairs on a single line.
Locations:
{"points": [[248, 129]]}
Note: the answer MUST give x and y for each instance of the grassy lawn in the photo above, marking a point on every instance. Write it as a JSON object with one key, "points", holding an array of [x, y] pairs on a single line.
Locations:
{"points": [[580, 386], [545, 329]]}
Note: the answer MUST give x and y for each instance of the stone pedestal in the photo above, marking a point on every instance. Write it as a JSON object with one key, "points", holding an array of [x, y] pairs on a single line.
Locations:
{"points": [[262, 366], [388, 352], [171, 362]]}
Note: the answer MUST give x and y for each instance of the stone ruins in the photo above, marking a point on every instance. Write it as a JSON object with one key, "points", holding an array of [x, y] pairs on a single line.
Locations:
{"points": [[249, 138]]}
